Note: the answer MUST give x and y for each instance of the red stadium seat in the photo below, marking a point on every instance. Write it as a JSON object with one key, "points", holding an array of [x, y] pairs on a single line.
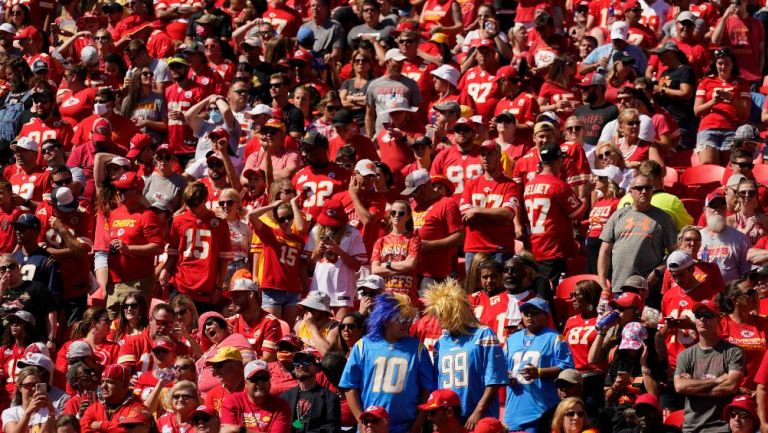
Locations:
{"points": [[761, 173], [675, 419], [701, 180], [563, 301], [680, 160], [671, 182], [694, 206]]}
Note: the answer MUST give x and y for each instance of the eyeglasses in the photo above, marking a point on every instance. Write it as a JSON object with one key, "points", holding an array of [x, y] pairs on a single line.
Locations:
{"points": [[625, 98], [605, 154], [748, 193], [285, 219], [223, 203], [183, 396], [259, 378], [691, 240], [704, 315], [41, 100], [406, 41], [302, 363], [633, 123], [62, 182], [397, 213], [29, 386], [350, 326], [642, 188], [574, 414], [360, 61], [531, 312], [164, 158], [130, 306], [736, 413], [573, 128], [749, 293], [332, 107], [209, 47], [266, 33], [8, 268], [268, 131]]}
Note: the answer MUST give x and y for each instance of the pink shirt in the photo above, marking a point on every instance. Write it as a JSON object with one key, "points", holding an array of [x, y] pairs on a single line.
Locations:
{"points": [[288, 158]]}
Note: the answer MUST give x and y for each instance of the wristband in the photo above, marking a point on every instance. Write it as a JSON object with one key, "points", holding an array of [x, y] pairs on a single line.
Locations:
{"points": [[538, 372]]}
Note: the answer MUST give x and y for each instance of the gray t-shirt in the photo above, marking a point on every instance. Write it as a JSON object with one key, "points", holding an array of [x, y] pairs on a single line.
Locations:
{"points": [[705, 414], [165, 189], [640, 241], [728, 250], [204, 143], [379, 32], [328, 36], [383, 90]]}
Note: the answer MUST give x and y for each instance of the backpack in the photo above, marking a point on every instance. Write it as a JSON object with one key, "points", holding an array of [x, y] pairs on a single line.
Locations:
{"points": [[10, 116]]}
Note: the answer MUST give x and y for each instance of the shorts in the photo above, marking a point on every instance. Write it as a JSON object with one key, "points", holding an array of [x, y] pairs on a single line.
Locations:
{"points": [[272, 298], [117, 292], [717, 138]]}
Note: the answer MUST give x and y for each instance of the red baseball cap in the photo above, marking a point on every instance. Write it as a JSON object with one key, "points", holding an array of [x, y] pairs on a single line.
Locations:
{"points": [[137, 417], [138, 143], [129, 180], [708, 304], [117, 372], [101, 130], [648, 399], [483, 42], [165, 147], [163, 343], [377, 412], [302, 56], [441, 398], [27, 33], [464, 121], [628, 299], [442, 180], [505, 72], [630, 4], [219, 133], [490, 425], [333, 214], [203, 409], [489, 145]]}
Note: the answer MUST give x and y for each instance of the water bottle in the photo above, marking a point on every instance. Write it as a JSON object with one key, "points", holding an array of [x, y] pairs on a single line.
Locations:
{"points": [[704, 254], [607, 321]]}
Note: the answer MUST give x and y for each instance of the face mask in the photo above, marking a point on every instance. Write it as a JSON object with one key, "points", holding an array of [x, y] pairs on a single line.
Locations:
{"points": [[216, 117], [100, 109]]}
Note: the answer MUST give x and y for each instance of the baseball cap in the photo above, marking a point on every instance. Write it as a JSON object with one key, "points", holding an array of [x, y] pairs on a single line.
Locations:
{"points": [[483, 43], [630, 4], [305, 34], [194, 46], [274, 123], [414, 180], [332, 214], [251, 41], [438, 179], [549, 116], [372, 281], [241, 284], [89, 55], [441, 398], [343, 117], [227, 353], [164, 343], [101, 130], [8, 28], [366, 167], [451, 106], [260, 109], [611, 172], [505, 116], [179, 60], [447, 73], [28, 32], [536, 302], [570, 375], [679, 260], [377, 412], [619, 30], [747, 132], [490, 425], [302, 56], [138, 143], [39, 66], [623, 57], [63, 199], [27, 220], [79, 349], [505, 73], [37, 360], [706, 303], [745, 403], [715, 199], [137, 417], [165, 147], [632, 336], [314, 138], [203, 409], [394, 54], [593, 79], [129, 180], [627, 300], [666, 46], [649, 400], [686, 16], [23, 315], [218, 133], [117, 372], [317, 300], [290, 340], [735, 180], [440, 38], [635, 282], [464, 121], [422, 141], [120, 161], [489, 145], [36, 347], [25, 143], [550, 153], [253, 367], [399, 103]]}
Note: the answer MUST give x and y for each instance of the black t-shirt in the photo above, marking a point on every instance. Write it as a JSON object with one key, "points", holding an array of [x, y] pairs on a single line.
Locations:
{"points": [[29, 296], [293, 118], [682, 111], [594, 118]]}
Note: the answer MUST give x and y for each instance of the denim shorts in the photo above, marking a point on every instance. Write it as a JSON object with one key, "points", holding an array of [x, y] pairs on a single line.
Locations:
{"points": [[271, 298], [716, 137]]}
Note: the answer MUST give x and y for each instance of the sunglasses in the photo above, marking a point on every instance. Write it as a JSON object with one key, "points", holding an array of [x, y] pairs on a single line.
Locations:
{"points": [[62, 182], [641, 188], [397, 213], [704, 315], [29, 386], [691, 240], [285, 219], [182, 367], [50, 149], [332, 107], [288, 191], [748, 193], [240, 91], [749, 293], [302, 363], [462, 129], [8, 268], [350, 326], [574, 414], [146, 74], [360, 61], [531, 312], [130, 306], [275, 85], [223, 203], [741, 414], [198, 419], [164, 158], [216, 165], [259, 378], [183, 396], [369, 421], [573, 128], [101, 38], [180, 312], [266, 130], [605, 155], [633, 123], [159, 322], [406, 41]]}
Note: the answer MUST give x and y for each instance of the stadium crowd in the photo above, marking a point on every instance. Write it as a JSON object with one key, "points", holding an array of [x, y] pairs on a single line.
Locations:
{"points": [[384, 216]]}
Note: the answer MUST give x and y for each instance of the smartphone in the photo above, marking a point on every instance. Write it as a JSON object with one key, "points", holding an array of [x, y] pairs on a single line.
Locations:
{"points": [[41, 387]]}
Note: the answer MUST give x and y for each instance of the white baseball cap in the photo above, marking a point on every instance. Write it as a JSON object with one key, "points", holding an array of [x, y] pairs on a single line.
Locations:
{"points": [[25, 143], [89, 55], [8, 28], [260, 109], [414, 180], [366, 167], [611, 172], [619, 30], [394, 54]]}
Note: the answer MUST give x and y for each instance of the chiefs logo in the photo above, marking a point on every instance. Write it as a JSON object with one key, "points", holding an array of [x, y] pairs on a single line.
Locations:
{"points": [[215, 222], [747, 333], [188, 94], [683, 303], [70, 102]]}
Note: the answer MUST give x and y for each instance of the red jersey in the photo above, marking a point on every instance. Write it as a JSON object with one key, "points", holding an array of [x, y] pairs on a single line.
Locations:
{"points": [[677, 303], [395, 153], [483, 88], [41, 130], [554, 93], [551, 206], [138, 227], [75, 271], [606, 11], [420, 73], [751, 337], [263, 335], [702, 271], [599, 214], [168, 424], [580, 334], [160, 44], [280, 259], [320, 184], [213, 192], [284, 20], [697, 54], [123, 129], [398, 248], [575, 170], [437, 221], [9, 356], [169, 4], [209, 80], [29, 185], [364, 147], [428, 330], [525, 108], [484, 235], [704, 10], [744, 37], [642, 36], [375, 203], [106, 354], [96, 411], [225, 69], [272, 415], [200, 242], [180, 135], [436, 12], [458, 167], [7, 233], [722, 115], [56, 70], [491, 311], [215, 396]]}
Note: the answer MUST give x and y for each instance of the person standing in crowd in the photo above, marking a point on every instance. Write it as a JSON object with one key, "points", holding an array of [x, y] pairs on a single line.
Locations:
{"points": [[313, 407], [721, 244], [255, 407]]}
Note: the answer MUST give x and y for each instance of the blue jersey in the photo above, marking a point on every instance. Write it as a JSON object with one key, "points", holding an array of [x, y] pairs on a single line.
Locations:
{"points": [[467, 364], [528, 399], [40, 267], [390, 375]]}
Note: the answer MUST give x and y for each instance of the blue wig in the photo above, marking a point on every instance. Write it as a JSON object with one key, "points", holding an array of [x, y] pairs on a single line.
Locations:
{"points": [[388, 307]]}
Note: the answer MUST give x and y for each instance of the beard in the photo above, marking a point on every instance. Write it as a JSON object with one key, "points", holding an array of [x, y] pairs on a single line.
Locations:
{"points": [[716, 223]]}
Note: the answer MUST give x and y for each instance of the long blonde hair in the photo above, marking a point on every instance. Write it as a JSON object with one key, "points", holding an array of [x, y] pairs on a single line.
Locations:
{"points": [[448, 302], [564, 406]]}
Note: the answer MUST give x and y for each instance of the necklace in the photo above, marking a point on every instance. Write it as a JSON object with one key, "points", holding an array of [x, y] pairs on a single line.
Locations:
{"points": [[527, 341]]}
